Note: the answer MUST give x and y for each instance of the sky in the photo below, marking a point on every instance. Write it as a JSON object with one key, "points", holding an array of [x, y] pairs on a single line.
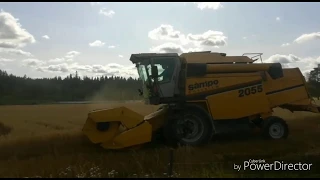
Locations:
{"points": [[97, 38]]}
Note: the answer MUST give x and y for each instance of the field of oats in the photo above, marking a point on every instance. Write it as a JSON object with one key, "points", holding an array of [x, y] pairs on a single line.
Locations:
{"points": [[46, 141]]}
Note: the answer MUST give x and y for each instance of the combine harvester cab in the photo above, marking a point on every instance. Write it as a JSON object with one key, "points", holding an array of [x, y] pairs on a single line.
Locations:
{"points": [[203, 94]]}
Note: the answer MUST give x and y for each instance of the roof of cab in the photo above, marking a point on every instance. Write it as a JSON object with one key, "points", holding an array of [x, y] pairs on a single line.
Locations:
{"points": [[196, 57], [137, 57]]}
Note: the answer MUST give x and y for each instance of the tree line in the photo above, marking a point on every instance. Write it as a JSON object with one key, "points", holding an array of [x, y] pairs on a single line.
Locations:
{"points": [[313, 82], [25, 90]]}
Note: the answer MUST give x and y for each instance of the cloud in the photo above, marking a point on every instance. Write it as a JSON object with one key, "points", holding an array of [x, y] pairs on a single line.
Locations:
{"points": [[64, 67], [249, 37], [165, 32], [120, 56], [305, 64], [111, 47], [105, 12], [168, 48], [112, 69], [11, 31], [95, 3], [32, 62], [18, 52], [6, 60], [307, 37], [45, 37], [8, 45], [72, 54], [277, 18], [209, 5], [283, 59], [285, 44], [172, 48], [57, 60], [13, 36], [97, 43], [209, 38], [67, 58]]}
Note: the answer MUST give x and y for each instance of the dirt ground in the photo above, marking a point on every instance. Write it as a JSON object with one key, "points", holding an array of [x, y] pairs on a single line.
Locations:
{"points": [[46, 141]]}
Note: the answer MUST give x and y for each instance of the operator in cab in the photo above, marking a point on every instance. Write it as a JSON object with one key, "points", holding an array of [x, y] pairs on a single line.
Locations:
{"points": [[168, 69]]}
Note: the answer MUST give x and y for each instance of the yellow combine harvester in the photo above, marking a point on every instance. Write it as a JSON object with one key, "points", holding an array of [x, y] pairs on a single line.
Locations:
{"points": [[203, 94]]}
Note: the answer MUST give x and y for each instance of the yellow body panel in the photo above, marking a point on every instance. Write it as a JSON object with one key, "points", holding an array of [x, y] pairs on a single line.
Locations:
{"points": [[194, 85], [117, 114], [95, 136], [127, 128], [238, 68], [291, 77], [228, 105], [156, 119], [292, 86], [213, 58], [222, 91], [139, 135], [288, 96]]}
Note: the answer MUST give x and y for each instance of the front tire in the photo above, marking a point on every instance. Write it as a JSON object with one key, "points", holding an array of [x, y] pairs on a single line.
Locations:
{"points": [[275, 128], [190, 127]]}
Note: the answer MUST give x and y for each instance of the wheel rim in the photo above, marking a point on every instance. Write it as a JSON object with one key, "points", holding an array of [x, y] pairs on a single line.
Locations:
{"points": [[276, 130], [190, 129]]}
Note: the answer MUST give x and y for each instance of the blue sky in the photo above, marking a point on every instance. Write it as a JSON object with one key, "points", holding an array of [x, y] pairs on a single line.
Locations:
{"points": [[50, 39]]}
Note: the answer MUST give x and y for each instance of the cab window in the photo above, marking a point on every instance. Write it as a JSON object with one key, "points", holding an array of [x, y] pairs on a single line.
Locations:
{"points": [[166, 67]]}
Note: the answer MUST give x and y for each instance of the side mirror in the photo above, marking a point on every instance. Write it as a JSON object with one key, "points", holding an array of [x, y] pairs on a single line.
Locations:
{"points": [[154, 71]]}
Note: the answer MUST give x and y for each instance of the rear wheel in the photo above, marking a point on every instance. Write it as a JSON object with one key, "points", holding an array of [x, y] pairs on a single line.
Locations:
{"points": [[275, 128], [190, 127]]}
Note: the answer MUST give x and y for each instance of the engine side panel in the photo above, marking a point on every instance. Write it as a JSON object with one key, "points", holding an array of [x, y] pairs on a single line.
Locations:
{"points": [[238, 95], [197, 87], [288, 89], [237, 103]]}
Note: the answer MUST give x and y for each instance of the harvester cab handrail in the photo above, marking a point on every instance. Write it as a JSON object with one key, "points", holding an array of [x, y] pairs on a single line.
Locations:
{"points": [[254, 55]]}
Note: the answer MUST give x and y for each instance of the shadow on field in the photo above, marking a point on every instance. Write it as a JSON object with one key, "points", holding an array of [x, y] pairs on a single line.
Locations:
{"points": [[72, 155], [76, 142], [54, 144], [69, 143], [223, 138], [4, 130]]}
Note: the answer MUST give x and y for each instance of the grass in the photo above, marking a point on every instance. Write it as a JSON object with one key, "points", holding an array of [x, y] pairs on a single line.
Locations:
{"points": [[46, 141]]}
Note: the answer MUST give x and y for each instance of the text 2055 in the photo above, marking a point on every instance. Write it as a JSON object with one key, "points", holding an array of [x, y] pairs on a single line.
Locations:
{"points": [[250, 90]]}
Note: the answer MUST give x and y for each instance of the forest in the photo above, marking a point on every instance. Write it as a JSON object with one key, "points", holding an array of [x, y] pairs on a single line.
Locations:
{"points": [[24, 90]]}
